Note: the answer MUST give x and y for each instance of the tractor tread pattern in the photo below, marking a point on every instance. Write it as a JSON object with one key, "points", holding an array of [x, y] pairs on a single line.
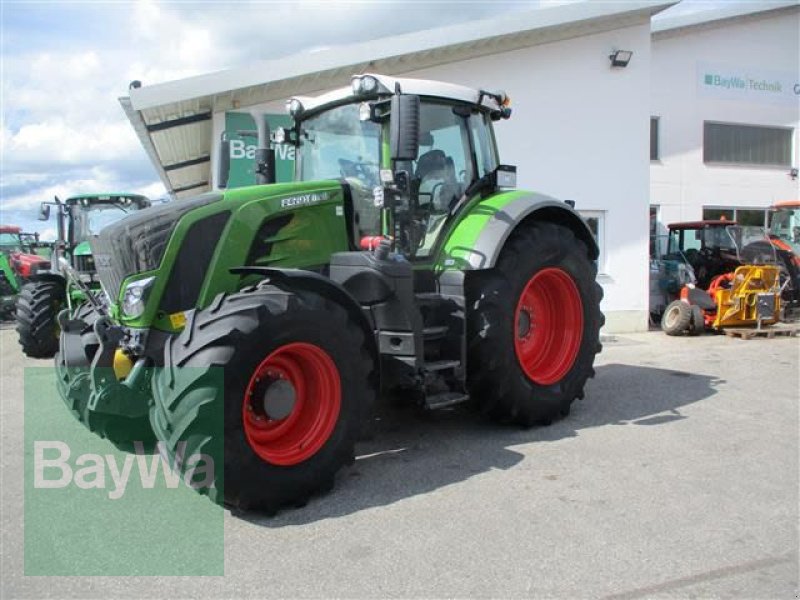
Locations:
{"points": [[498, 386], [187, 397], [36, 317]]}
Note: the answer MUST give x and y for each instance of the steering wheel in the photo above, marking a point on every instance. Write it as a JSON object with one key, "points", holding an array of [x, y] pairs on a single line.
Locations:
{"points": [[359, 170]]}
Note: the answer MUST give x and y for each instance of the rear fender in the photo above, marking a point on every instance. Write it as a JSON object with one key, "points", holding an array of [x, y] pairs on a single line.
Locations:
{"points": [[479, 237]]}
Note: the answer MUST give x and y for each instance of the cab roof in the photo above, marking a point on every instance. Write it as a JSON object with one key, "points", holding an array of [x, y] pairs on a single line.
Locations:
{"points": [[106, 196], [10, 229], [388, 85]]}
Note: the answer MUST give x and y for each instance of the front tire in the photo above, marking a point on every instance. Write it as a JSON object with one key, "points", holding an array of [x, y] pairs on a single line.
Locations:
{"points": [[299, 351], [533, 326], [677, 318], [38, 305]]}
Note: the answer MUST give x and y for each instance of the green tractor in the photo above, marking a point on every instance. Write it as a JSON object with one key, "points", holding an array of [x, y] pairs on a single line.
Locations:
{"points": [[48, 290], [400, 258]]}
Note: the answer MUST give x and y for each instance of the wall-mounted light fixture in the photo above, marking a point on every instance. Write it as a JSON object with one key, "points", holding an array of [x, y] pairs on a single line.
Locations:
{"points": [[620, 58], [793, 174]]}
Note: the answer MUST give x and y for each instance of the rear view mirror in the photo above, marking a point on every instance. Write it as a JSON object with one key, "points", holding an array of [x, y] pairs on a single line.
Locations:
{"points": [[224, 166], [44, 211], [404, 127]]}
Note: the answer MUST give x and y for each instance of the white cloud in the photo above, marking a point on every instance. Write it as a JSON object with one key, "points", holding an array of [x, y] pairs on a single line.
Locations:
{"points": [[63, 131]]}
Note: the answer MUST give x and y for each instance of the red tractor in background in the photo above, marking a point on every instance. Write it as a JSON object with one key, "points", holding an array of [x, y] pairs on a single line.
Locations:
{"points": [[17, 265]]}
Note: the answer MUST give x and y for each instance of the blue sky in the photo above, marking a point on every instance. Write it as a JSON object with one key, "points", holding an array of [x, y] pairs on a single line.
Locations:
{"points": [[65, 63]]}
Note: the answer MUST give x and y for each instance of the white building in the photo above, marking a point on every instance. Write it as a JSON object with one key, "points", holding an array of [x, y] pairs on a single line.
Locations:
{"points": [[725, 102], [580, 126]]}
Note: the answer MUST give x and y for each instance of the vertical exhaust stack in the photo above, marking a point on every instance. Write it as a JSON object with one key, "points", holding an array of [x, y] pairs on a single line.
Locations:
{"points": [[264, 155], [224, 163]]}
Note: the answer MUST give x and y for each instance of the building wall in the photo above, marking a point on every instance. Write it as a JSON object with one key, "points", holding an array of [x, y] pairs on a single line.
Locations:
{"points": [[765, 45], [579, 131]]}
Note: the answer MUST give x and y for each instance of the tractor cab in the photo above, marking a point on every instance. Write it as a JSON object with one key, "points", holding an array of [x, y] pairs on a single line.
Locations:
{"points": [[80, 217], [784, 227], [10, 240], [708, 247], [420, 154]]}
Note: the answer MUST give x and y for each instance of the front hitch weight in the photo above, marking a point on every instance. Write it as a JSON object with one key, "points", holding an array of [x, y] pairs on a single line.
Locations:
{"points": [[109, 337]]}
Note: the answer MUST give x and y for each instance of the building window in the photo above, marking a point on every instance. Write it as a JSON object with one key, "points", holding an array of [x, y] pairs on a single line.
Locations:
{"points": [[596, 220], [750, 217], [735, 144], [654, 153]]}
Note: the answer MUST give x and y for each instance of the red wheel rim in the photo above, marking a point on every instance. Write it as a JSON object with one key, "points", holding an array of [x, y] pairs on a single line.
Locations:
{"points": [[548, 326], [306, 374]]}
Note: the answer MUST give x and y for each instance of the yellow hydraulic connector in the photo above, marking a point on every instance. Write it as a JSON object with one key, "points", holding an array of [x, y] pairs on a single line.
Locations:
{"points": [[754, 295], [122, 364]]}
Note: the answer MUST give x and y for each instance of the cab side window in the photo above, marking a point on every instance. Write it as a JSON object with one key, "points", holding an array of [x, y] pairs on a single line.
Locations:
{"points": [[442, 171]]}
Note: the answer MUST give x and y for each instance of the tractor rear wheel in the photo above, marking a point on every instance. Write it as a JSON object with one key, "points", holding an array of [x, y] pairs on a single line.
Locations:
{"points": [[38, 305], [677, 318], [298, 379], [533, 326]]}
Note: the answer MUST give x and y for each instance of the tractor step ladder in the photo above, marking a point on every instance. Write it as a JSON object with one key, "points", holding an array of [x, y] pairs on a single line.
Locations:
{"points": [[445, 399]]}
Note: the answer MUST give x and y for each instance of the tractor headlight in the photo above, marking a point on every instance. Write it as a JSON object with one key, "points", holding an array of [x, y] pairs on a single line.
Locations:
{"points": [[294, 107], [364, 85], [135, 295]]}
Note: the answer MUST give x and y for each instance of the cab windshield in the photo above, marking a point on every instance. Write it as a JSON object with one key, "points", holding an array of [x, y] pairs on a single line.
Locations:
{"points": [[10, 242], [785, 225], [89, 220], [337, 144]]}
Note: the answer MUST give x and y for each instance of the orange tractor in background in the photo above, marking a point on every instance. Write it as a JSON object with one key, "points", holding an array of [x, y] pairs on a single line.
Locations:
{"points": [[784, 234], [734, 278]]}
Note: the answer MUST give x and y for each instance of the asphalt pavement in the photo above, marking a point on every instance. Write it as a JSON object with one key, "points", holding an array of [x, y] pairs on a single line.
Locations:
{"points": [[676, 476]]}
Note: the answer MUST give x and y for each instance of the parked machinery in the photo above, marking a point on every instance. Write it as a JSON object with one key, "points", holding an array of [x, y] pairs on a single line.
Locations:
{"points": [[18, 264], [40, 300], [736, 278], [401, 257]]}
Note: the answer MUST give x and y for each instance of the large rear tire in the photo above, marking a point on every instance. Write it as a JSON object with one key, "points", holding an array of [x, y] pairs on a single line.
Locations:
{"points": [[533, 326], [38, 305], [299, 351]]}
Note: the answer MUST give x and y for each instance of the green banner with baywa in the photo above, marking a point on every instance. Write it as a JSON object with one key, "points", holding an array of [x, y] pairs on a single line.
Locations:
{"points": [[243, 149]]}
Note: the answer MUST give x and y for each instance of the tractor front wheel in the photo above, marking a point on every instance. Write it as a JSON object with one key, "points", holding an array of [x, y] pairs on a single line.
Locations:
{"points": [[533, 326], [38, 305], [677, 318], [272, 383]]}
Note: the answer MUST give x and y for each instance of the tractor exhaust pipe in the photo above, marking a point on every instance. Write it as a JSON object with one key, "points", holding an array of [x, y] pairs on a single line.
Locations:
{"points": [[265, 156]]}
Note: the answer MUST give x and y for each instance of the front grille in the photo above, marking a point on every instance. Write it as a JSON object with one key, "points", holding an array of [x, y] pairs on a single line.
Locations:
{"points": [[83, 264], [137, 243]]}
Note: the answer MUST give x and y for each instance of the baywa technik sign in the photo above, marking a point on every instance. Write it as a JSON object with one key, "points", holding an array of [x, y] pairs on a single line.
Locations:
{"points": [[243, 149], [747, 84]]}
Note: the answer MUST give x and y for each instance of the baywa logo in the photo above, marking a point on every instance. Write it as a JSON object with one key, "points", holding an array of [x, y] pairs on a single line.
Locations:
{"points": [[736, 82], [239, 149], [52, 469]]}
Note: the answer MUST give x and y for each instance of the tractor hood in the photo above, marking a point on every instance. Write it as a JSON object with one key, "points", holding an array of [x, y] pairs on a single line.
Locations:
{"points": [[29, 264], [180, 255]]}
